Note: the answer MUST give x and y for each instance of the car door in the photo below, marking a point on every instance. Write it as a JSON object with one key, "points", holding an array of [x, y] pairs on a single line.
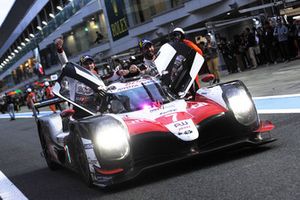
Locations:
{"points": [[182, 65], [78, 86]]}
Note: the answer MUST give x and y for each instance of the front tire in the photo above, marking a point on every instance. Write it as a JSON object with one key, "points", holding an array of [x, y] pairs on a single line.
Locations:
{"points": [[51, 164], [82, 161]]}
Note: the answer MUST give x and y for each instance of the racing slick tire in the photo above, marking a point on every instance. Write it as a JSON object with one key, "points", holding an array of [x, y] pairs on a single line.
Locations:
{"points": [[51, 164], [82, 161]]}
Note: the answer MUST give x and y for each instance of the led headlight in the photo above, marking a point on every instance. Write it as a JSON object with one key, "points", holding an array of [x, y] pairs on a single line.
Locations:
{"points": [[241, 105], [112, 139]]}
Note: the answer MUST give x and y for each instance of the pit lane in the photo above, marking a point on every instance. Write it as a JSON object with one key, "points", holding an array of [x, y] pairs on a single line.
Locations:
{"points": [[268, 172]]}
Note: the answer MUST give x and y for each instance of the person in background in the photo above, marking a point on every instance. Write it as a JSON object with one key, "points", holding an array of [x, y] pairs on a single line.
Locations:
{"points": [[227, 52], [211, 56], [31, 99], [281, 33], [2, 103], [251, 45], [49, 95], [10, 106], [179, 36], [99, 37]]}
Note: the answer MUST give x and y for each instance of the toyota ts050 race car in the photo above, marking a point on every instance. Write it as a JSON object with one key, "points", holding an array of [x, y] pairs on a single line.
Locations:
{"points": [[145, 121]]}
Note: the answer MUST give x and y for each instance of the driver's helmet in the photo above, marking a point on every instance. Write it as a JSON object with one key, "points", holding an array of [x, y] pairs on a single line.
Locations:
{"points": [[144, 42], [85, 58], [46, 84]]}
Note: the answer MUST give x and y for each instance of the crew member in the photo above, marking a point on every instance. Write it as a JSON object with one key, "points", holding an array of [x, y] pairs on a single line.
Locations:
{"points": [[179, 36]]}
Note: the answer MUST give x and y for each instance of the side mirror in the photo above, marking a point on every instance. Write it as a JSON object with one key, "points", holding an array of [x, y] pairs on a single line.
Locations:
{"points": [[67, 113], [208, 78]]}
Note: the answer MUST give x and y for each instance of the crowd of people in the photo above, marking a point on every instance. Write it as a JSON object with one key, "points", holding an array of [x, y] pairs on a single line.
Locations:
{"points": [[12, 103], [270, 43]]}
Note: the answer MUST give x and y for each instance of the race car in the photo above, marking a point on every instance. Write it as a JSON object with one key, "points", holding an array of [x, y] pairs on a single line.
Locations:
{"points": [[145, 121]]}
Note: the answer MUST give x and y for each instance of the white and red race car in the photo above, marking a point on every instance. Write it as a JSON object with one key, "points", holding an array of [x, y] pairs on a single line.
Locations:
{"points": [[145, 121]]}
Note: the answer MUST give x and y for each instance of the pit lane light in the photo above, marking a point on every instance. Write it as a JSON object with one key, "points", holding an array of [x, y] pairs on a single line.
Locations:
{"points": [[13, 54], [23, 44], [9, 57], [59, 8], [45, 23], [40, 28], [7, 60], [19, 47], [51, 15], [31, 35], [27, 39], [16, 51]]}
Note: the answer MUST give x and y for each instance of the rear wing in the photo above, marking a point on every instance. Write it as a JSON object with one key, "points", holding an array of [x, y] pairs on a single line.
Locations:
{"points": [[44, 103]]}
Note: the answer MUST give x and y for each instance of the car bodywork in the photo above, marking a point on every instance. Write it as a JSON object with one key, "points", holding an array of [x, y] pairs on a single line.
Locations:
{"points": [[145, 121]]}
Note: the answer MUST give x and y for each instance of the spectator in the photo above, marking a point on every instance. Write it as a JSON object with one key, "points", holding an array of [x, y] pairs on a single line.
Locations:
{"points": [[2, 104], [297, 36], [269, 43], [251, 45], [31, 99], [281, 33], [10, 106], [228, 54], [238, 50], [211, 56]]}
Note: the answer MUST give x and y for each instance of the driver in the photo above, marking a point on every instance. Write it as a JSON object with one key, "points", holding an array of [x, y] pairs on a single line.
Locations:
{"points": [[81, 94], [148, 51]]}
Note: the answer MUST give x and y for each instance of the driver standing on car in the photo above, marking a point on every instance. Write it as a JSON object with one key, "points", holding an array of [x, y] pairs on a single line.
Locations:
{"points": [[84, 95], [148, 51]]}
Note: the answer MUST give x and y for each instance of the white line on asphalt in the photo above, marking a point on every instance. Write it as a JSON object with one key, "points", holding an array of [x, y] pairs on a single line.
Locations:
{"points": [[277, 96], [279, 111], [8, 191]]}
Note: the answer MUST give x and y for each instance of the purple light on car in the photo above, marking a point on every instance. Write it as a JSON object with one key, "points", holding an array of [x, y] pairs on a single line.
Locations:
{"points": [[146, 106]]}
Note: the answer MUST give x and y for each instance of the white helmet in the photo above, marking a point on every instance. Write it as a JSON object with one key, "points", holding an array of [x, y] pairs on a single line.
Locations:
{"points": [[179, 30], [29, 90], [46, 83]]}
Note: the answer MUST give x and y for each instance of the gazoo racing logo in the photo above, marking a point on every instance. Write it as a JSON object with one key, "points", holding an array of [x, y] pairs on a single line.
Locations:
{"points": [[185, 130]]}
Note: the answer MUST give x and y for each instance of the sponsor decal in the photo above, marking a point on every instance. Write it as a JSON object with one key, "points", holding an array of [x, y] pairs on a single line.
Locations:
{"points": [[133, 84], [184, 129]]}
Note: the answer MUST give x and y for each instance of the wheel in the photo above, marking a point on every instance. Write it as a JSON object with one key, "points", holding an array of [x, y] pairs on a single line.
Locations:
{"points": [[51, 164], [81, 158]]}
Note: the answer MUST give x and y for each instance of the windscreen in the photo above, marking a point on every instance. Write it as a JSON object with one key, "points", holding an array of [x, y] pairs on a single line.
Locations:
{"points": [[143, 97]]}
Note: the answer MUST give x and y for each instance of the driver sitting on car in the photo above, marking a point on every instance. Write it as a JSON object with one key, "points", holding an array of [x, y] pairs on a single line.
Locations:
{"points": [[83, 95]]}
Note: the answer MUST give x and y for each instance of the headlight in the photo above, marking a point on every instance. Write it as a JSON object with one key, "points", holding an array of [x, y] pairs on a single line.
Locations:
{"points": [[112, 139], [241, 105]]}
